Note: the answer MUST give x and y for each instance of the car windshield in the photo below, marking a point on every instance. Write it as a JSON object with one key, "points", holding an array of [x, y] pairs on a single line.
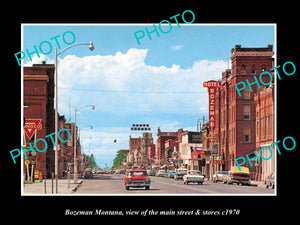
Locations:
{"points": [[194, 172], [138, 173]]}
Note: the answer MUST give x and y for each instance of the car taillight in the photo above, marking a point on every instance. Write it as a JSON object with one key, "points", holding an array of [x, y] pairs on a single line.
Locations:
{"points": [[129, 181], [147, 180]]}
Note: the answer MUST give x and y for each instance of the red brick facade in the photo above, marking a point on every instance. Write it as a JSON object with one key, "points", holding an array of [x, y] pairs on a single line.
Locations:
{"points": [[39, 104], [162, 137], [265, 132], [38, 101], [236, 115]]}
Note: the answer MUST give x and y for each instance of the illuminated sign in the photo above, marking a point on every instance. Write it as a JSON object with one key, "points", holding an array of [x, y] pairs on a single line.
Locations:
{"points": [[212, 87]]}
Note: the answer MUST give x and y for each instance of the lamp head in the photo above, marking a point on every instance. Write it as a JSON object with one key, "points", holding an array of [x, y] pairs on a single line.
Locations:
{"points": [[93, 106], [91, 46]]}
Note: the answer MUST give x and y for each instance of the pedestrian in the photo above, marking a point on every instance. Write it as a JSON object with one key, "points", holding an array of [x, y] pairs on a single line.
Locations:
{"points": [[63, 173]]}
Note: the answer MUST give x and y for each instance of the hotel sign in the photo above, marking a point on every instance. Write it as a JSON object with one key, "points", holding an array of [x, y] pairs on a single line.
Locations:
{"points": [[212, 87]]}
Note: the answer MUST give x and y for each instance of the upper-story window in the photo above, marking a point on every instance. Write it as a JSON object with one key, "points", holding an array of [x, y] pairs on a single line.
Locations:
{"points": [[243, 69], [247, 93], [246, 112], [263, 67], [253, 69]]}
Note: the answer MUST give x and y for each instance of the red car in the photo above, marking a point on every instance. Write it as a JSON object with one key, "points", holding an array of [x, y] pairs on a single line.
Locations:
{"points": [[137, 178]]}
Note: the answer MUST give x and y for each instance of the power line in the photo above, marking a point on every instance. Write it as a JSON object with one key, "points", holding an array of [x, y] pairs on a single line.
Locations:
{"points": [[141, 92]]}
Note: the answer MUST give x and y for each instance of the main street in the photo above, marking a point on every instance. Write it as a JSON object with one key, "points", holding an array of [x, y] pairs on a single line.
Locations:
{"points": [[114, 184]]}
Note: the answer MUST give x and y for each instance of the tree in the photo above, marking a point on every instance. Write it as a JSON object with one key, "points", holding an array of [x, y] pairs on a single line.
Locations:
{"points": [[91, 160], [120, 157]]}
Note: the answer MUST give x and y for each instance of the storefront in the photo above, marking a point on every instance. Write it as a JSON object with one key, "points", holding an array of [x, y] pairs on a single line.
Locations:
{"points": [[198, 159]]}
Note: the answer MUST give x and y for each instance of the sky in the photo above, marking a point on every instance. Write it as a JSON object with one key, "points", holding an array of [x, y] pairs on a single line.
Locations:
{"points": [[157, 82]]}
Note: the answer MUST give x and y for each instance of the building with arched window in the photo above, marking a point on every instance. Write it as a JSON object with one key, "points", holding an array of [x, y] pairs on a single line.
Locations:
{"points": [[235, 116]]}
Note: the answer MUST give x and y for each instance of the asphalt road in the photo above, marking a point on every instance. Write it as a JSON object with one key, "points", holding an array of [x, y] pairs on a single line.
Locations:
{"points": [[114, 184]]}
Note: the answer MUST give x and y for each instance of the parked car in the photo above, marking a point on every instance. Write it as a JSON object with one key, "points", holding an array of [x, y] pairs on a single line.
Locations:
{"points": [[270, 181], [88, 174], [238, 176], [219, 176], [136, 178], [151, 172], [193, 176], [180, 172], [171, 174], [161, 173]]}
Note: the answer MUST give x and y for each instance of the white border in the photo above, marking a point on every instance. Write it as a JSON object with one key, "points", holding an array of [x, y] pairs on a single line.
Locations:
{"points": [[150, 24]]}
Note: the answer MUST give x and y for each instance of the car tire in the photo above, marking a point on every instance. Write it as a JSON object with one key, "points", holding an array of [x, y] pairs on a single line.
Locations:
{"points": [[147, 188], [127, 188]]}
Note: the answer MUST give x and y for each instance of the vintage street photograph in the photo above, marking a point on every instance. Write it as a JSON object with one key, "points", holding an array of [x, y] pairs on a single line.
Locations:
{"points": [[169, 108]]}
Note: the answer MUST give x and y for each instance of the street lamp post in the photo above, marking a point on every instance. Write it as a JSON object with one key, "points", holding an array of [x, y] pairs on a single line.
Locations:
{"points": [[55, 148], [75, 140], [91, 127]]}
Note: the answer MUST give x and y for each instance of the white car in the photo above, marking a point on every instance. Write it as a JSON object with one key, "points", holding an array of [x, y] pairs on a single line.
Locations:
{"points": [[161, 173], [193, 176], [180, 173], [219, 176]]}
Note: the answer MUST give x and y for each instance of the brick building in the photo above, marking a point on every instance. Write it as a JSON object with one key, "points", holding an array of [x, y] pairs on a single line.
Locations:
{"points": [[146, 141], [38, 93], [265, 132], [162, 137], [139, 150], [134, 150], [170, 148], [235, 115], [38, 104], [151, 152]]}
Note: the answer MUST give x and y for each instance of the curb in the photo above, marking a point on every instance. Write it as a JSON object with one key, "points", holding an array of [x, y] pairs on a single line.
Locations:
{"points": [[77, 186], [258, 184]]}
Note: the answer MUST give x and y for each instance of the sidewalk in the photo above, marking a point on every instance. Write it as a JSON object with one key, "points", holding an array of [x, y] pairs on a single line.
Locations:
{"points": [[258, 184], [63, 187]]}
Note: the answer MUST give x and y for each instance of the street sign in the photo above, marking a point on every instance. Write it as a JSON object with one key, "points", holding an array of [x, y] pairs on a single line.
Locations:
{"points": [[27, 162], [31, 125], [36, 174]]}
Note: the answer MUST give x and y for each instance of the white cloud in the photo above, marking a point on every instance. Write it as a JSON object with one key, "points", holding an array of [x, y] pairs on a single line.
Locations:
{"points": [[116, 82], [127, 73], [176, 47], [38, 60]]}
